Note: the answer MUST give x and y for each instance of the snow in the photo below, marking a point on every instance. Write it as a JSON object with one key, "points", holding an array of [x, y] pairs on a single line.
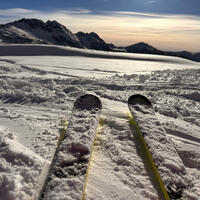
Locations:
{"points": [[38, 86], [19, 166]]}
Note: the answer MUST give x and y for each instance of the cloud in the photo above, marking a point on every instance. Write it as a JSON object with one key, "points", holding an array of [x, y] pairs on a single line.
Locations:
{"points": [[150, 2], [17, 12], [74, 12], [176, 32], [134, 14]]}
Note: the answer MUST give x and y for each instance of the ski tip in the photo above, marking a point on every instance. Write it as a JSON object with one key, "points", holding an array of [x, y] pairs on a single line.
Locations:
{"points": [[88, 102], [139, 99]]}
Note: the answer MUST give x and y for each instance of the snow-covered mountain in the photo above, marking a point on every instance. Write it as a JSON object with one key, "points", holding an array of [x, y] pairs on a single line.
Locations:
{"points": [[38, 32], [35, 31], [93, 41]]}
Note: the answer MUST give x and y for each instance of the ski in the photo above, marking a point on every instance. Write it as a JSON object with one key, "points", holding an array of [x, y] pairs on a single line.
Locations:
{"points": [[170, 175], [69, 168]]}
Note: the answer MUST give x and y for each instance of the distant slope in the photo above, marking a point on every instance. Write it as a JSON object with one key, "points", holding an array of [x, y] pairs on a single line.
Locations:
{"points": [[57, 50], [184, 54], [26, 31]]}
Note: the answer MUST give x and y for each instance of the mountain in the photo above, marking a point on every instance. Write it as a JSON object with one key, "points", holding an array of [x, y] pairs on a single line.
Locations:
{"points": [[93, 41], [142, 48], [35, 31], [147, 49], [38, 32]]}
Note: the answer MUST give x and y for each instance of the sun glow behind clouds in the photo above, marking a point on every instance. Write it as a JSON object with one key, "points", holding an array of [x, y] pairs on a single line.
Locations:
{"points": [[173, 32]]}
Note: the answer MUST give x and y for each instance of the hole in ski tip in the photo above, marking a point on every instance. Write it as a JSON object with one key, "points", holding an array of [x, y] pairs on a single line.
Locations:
{"points": [[88, 102], [139, 99]]}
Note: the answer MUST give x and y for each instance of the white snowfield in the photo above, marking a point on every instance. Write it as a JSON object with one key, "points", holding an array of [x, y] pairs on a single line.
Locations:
{"points": [[38, 86]]}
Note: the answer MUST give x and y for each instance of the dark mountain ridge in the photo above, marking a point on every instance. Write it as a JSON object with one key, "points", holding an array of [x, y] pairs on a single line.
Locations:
{"points": [[142, 47], [93, 41]]}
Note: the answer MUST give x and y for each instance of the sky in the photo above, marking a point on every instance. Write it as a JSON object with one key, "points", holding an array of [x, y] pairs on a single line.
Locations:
{"points": [[165, 24]]}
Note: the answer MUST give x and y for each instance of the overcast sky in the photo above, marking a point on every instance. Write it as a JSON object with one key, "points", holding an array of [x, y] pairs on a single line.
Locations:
{"points": [[165, 24]]}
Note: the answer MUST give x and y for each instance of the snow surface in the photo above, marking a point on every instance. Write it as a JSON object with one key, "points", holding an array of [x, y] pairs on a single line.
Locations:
{"points": [[37, 92]]}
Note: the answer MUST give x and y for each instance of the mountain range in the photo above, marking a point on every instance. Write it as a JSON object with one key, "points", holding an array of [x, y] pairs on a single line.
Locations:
{"points": [[35, 31]]}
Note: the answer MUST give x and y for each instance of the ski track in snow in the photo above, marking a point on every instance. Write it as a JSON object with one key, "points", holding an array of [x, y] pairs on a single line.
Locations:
{"points": [[37, 93]]}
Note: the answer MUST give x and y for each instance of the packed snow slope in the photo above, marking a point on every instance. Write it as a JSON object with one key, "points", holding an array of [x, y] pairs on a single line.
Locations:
{"points": [[38, 86], [56, 50]]}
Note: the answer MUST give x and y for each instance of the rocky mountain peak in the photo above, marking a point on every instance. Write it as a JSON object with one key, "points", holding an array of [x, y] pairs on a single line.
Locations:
{"points": [[94, 35], [33, 23], [93, 41]]}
